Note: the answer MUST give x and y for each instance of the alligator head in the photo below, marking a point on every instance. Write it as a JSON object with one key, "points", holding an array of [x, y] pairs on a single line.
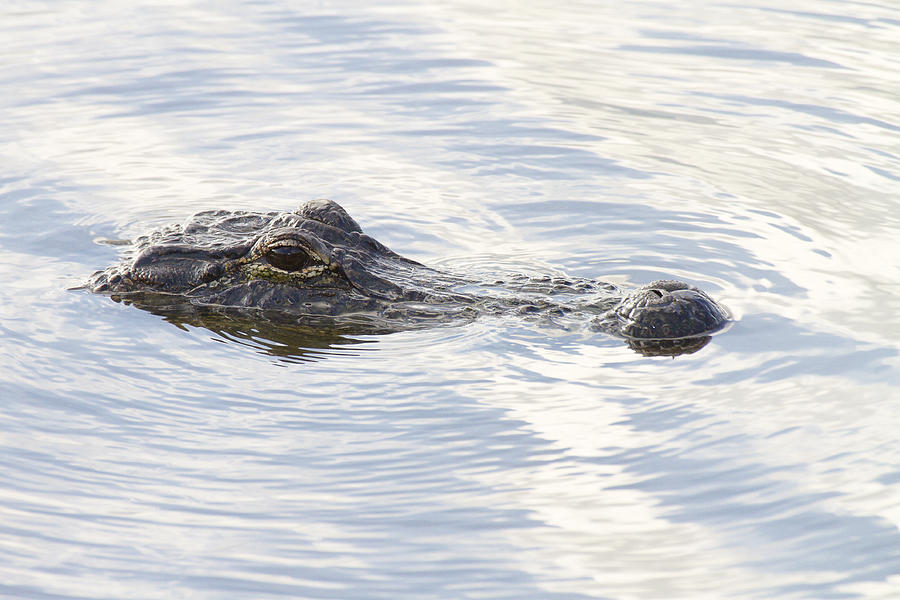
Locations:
{"points": [[316, 262]]}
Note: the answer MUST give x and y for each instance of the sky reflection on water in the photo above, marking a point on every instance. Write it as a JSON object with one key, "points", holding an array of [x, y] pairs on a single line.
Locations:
{"points": [[750, 150]]}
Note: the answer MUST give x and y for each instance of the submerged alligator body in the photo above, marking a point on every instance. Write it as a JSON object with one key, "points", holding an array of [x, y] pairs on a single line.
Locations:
{"points": [[315, 265]]}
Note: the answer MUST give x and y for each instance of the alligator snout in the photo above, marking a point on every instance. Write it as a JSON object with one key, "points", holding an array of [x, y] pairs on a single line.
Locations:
{"points": [[665, 318], [668, 310]]}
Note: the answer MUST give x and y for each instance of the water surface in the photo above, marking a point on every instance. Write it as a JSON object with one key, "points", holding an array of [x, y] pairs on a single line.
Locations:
{"points": [[751, 150]]}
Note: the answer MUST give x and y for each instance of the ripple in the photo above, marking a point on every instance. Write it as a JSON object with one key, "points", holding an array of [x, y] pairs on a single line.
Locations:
{"points": [[503, 457]]}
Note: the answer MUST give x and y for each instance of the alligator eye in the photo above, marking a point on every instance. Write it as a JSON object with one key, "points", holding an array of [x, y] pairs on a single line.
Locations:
{"points": [[288, 258]]}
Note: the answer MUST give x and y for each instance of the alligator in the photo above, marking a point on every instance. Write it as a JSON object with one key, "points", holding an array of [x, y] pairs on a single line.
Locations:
{"points": [[315, 267]]}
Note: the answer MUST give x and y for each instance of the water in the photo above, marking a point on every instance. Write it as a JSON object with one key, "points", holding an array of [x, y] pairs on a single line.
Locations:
{"points": [[749, 149]]}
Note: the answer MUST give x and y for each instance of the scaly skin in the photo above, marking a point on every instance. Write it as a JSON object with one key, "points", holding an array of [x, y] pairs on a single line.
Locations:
{"points": [[316, 262]]}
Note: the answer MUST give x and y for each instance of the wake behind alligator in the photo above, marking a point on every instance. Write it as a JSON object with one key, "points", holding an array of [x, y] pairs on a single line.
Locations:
{"points": [[315, 267]]}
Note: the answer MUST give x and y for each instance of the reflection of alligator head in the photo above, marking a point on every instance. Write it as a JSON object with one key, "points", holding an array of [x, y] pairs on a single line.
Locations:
{"points": [[268, 333], [317, 268]]}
